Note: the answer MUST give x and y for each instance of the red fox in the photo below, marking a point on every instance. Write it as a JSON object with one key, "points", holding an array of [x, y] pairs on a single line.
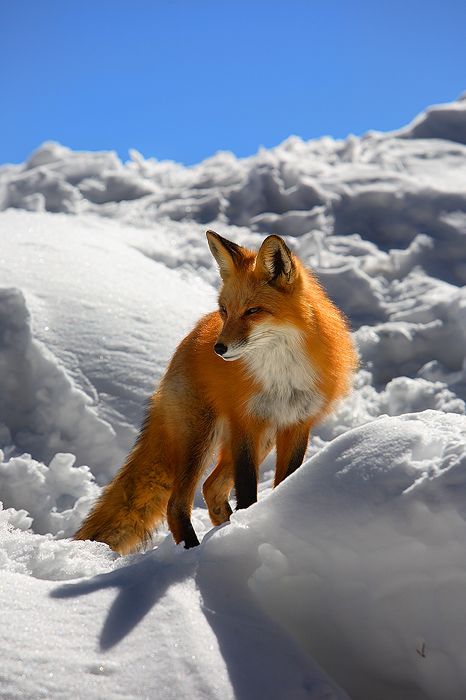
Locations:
{"points": [[259, 372]]}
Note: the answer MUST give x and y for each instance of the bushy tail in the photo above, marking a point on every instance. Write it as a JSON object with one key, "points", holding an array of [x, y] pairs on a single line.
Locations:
{"points": [[132, 505]]}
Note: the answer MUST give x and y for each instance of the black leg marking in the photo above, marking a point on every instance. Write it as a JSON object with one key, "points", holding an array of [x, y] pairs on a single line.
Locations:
{"points": [[188, 536], [297, 456], [245, 477]]}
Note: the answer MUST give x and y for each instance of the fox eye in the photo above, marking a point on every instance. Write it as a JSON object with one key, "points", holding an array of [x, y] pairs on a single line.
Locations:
{"points": [[223, 310], [252, 310]]}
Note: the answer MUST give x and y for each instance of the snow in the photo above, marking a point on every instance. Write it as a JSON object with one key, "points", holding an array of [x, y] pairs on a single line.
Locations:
{"points": [[349, 578], [110, 316], [440, 122]]}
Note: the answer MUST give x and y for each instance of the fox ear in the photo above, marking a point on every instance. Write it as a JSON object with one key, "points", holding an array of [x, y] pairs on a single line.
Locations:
{"points": [[274, 262], [227, 254]]}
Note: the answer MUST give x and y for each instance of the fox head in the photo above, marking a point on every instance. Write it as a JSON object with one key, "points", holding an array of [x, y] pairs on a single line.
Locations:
{"points": [[258, 294]]}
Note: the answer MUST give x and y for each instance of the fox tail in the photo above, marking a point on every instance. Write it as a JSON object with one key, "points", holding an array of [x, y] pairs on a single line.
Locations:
{"points": [[132, 504]]}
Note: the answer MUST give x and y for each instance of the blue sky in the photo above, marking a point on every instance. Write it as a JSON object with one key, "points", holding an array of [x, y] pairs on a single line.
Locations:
{"points": [[182, 79]]}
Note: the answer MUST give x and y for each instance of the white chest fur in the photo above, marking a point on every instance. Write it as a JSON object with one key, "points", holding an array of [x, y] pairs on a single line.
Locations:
{"points": [[277, 361]]}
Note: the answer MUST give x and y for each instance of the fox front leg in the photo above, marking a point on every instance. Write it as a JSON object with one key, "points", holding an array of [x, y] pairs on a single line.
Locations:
{"points": [[245, 471], [291, 448]]}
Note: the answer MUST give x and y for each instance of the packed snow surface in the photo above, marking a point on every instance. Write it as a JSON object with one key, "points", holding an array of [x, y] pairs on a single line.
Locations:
{"points": [[347, 580]]}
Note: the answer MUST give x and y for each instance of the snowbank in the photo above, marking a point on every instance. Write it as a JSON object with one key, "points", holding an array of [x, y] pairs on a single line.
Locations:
{"points": [[440, 122], [40, 409], [360, 556], [386, 187]]}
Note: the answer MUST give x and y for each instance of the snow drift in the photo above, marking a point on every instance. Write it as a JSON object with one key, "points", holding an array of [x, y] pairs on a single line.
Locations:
{"points": [[361, 558], [352, 570]]}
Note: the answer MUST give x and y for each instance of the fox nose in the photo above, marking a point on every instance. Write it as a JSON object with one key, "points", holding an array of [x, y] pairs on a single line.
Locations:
{"points": [[220, 348]]}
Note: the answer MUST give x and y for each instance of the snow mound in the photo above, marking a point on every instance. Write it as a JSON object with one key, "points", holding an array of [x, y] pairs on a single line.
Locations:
{"points": [[446, 121], [52, 499], [360, 556], [40, 408], [41, 556]]}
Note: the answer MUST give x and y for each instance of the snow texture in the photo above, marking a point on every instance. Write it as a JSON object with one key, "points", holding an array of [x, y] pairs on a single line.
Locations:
{"points": [[347, 580]]}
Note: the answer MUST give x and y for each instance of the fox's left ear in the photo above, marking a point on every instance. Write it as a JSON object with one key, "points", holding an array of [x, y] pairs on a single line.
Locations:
{"points": [[274, 262], [227, 254]]}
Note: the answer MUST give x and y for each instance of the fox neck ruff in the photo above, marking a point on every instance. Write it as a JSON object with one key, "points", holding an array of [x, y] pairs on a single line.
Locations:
{"points": [[277, 361]]}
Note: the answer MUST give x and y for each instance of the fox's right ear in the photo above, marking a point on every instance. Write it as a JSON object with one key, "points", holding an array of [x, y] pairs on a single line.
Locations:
{"points": [[227, 254]]}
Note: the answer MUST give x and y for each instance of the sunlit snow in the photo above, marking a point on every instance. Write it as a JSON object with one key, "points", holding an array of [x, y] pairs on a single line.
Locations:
{"points": [[347, 580]]}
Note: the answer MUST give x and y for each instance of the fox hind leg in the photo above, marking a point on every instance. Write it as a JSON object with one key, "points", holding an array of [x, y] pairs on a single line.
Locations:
{"points": [[181, 503], [217, 488], [190, 461]]}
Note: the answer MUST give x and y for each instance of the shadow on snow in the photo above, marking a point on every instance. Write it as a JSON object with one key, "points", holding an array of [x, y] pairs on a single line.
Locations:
{"points": [[141, 585], [260, 657]]}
